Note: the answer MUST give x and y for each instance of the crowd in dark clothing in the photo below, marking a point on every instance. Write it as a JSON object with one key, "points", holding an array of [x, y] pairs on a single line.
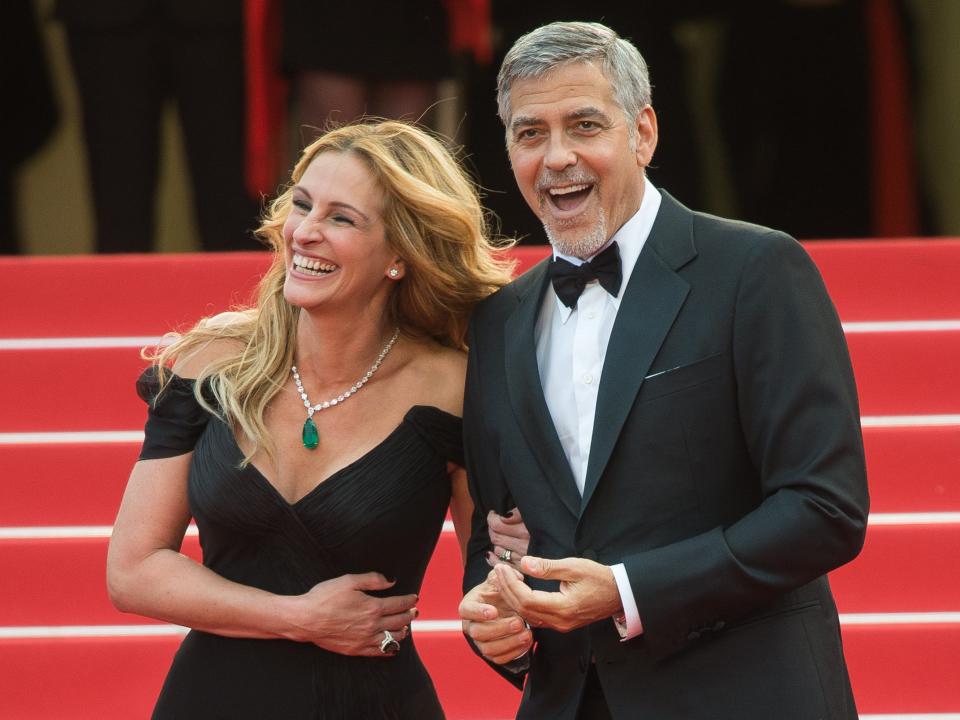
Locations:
{"points": [[784, 135]]}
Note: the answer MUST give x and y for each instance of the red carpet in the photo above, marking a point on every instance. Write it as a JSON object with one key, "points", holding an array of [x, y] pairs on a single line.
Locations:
{"points": [[66, 653], [901, 569]]}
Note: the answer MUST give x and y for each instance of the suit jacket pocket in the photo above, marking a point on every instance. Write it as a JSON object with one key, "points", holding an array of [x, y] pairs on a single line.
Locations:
{"points": [[773, 614], [681, 377]]}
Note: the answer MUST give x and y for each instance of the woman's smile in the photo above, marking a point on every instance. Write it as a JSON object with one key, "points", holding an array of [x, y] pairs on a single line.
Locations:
{"points": [[313, 267]]}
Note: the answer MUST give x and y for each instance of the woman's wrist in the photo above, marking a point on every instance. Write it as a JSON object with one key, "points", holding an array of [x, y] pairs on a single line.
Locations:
{"points": [[288, 612]]}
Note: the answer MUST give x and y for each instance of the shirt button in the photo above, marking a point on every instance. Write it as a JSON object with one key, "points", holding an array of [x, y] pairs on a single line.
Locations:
{"points": [[591, 315], [587, 378]]}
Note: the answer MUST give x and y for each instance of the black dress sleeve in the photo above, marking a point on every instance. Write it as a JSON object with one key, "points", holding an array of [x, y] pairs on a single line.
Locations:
{"points": [[443, 431], [175, 420]]}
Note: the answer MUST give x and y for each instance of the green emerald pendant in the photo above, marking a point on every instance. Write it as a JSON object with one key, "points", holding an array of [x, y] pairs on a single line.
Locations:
{"points": [[310, 436]]}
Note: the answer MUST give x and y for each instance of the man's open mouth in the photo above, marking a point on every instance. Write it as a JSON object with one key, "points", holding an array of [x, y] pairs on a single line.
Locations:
{"points": [[571, 197]]}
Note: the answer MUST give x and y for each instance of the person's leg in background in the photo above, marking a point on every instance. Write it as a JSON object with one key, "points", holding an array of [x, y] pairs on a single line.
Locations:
{"points": [[120, 82], [327, 97], [403, 99], [29, 120], [936, 51], [206, 56]]}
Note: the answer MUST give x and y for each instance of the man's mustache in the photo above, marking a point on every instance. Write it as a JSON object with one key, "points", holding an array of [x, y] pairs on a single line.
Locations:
{"points": [[576, 176]]}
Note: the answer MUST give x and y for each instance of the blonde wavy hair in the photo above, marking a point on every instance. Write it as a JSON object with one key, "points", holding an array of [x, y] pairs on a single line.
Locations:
{"points": [[434, 223]]}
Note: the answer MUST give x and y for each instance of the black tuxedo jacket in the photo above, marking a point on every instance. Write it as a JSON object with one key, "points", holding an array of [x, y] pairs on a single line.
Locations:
{"points": [[726, 473]]}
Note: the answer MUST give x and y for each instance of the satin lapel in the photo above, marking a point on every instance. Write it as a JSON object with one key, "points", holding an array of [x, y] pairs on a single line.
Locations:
{"points": [[526, 393], [649, 306]]}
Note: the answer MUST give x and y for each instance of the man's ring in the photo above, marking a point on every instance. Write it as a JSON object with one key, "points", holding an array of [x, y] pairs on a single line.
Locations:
{"points": [[506, 555], [389, 645]]}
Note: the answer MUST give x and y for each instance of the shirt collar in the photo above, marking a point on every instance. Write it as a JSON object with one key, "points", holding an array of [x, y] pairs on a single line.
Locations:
{"points": [[631, 237]]}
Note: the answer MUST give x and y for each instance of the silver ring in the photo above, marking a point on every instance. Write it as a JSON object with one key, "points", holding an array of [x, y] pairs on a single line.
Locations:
{"points": [[389, 644], [506, 555]]}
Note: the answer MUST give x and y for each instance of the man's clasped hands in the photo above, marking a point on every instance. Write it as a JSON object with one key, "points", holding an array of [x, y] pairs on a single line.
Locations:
{"points": [[500, 613]]}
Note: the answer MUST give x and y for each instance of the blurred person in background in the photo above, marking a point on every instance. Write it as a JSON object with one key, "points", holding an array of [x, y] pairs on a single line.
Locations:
{"points": [[381, 58], [130, 58], [32, 114]]}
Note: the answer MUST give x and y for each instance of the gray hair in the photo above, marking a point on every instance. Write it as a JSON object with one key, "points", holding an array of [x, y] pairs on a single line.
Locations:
{"points": [[538, 52]]}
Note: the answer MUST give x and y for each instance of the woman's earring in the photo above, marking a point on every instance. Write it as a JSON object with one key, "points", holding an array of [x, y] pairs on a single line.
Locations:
{"points": [[393, 272]]}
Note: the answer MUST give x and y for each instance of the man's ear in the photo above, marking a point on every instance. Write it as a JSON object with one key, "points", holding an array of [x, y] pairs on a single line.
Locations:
{"points": [[646, 136]]}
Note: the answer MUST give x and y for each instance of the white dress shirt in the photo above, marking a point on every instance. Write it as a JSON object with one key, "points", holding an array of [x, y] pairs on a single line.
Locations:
{"points": [[571, 346]]}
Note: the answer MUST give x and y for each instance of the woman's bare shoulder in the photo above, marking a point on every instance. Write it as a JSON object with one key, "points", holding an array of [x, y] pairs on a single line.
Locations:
{"points": [[441, 373], [205, 351]]}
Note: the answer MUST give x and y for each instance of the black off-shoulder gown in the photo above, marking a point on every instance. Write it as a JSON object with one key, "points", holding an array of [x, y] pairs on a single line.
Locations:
{"points": [[383, 512]]}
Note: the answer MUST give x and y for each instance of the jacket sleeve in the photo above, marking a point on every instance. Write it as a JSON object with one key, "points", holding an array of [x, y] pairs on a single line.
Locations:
{"points": [[487, 488], [799, 416]]}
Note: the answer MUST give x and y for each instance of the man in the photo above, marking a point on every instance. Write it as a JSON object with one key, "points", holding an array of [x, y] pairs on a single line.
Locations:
{"points": [[676, 421]]}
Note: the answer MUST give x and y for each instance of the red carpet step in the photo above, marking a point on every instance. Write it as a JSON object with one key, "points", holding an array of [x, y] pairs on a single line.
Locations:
{"points": [[894, 669], [64, 483], [909, 373], [901, 569], [891, 279], [906, 373], [147, 294], [911, 469]]}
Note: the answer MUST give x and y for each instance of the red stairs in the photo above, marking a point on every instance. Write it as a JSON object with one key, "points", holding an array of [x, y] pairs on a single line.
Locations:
{"points": [[70, 423]]}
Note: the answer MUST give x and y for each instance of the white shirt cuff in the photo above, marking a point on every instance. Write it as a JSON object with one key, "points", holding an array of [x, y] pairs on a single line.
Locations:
{"points": [[628, 625]]}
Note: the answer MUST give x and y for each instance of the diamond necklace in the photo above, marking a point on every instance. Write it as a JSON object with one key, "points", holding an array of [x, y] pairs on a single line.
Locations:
{"points": [[310, 436]]}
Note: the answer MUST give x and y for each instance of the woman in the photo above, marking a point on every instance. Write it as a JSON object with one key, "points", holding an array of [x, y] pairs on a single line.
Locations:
{"points": [[315, 439]]}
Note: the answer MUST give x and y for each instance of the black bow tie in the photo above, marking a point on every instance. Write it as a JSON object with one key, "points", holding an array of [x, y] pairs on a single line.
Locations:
{"points": [[569, 280]]}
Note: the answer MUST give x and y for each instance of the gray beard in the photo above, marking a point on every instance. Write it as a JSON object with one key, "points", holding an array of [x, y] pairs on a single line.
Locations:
{"points": [[583, 246]]}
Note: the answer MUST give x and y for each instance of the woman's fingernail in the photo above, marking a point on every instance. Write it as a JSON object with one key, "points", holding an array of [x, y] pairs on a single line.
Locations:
{"points": [[516, 626], [416, 613]]}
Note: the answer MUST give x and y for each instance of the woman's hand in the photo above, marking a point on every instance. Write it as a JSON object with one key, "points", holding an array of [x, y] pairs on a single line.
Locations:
{"points": [[509, 538], [338, 615], [147, 575]]}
